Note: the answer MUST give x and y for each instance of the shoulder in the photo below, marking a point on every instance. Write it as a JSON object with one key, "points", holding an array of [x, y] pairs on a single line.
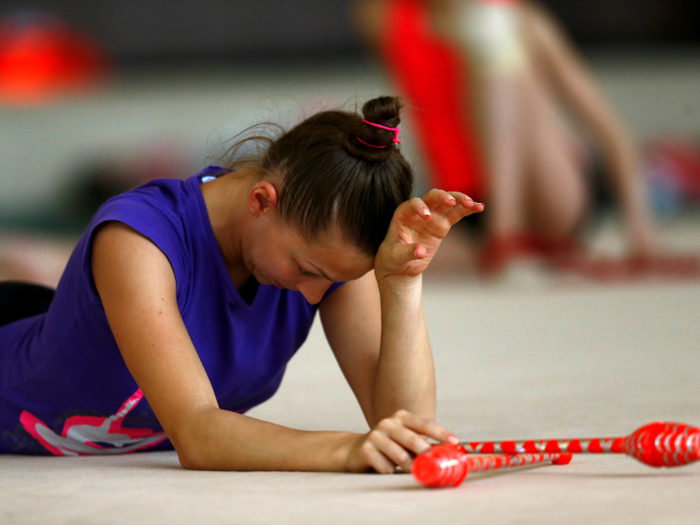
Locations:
{"points": [[122, 254], [158, 211], [164, 196], [151, 217]]}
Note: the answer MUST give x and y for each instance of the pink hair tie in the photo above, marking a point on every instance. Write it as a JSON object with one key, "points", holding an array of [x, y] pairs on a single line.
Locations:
{"points": [[395, 130], [370, 145]]}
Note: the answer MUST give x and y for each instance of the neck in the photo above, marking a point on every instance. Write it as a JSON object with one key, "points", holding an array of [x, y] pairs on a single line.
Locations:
{"points": [[226, 201]]}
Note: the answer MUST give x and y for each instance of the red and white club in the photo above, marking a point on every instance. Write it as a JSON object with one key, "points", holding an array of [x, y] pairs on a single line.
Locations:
{"points": [[448, 465], [658, 444]]}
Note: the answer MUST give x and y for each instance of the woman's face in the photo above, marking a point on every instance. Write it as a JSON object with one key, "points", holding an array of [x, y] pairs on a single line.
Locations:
{"points": [[287, 260]]}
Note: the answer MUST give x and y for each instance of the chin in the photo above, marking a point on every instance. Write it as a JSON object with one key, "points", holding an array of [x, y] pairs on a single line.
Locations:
{"points": [[279, 285], [262, 279], [268, 281]]}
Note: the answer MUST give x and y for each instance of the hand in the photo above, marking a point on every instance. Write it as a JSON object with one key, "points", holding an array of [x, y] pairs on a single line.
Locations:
{"points": [[394, 442], [416, 230]]}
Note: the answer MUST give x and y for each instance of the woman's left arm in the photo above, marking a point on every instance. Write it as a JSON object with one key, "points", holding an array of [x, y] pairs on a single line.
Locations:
{"points": [[359, 329], [351, 318], [378, 334], [375, 325]]}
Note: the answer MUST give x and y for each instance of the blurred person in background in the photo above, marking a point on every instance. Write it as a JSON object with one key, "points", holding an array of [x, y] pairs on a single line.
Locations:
{"points": [[507, 112]]}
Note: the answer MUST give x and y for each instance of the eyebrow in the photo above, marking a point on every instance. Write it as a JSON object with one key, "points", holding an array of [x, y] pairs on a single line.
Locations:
{"points": [[320, 270]]}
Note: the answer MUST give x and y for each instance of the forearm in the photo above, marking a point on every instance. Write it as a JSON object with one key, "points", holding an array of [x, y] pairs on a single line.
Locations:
{"points": [[215, 439], [405, 376], [623, 163], [620, 156]]}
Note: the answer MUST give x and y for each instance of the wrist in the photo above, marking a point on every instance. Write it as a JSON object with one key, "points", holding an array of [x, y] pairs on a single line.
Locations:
{"points": [[321, 451], [341, 455], [400, 284]]}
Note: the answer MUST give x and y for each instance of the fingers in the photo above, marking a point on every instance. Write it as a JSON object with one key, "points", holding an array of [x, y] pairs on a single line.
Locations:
{"points": [[436, 204], [413, 210], [426, 427], [387, 453], [465, 207], [441, 201], [371, 450], [453, 205], [397, 439], [416, 230]]}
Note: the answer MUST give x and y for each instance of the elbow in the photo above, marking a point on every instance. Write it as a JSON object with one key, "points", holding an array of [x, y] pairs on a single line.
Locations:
{"points": [[194, 441], [193, 457], [189, 456], [192, 450], [189, 460], [189, 463]]}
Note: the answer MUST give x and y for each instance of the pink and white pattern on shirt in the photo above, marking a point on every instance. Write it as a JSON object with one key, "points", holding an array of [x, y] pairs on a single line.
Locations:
{"points": [[84, 435]]}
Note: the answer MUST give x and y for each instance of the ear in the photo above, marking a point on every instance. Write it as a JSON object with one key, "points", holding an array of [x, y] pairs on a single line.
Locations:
{"points": [[262, 199]]}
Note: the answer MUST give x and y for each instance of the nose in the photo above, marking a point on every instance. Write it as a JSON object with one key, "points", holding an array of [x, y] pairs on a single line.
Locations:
{"points": [[313, 291]]}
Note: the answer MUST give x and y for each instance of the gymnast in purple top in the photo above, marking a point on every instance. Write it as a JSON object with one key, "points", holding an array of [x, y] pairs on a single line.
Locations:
{"points": [[184, 300], [71, 352]]}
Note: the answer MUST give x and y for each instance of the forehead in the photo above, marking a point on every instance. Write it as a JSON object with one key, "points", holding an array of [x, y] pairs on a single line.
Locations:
{"points": [[332, 253]]}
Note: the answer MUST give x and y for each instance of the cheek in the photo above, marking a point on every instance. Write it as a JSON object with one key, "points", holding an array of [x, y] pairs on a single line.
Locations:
{"points": [[277, 266], [283, 271]]}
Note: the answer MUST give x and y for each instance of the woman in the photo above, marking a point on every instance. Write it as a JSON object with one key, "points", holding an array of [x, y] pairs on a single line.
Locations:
{"points": [[492, 80], [196, 294]]}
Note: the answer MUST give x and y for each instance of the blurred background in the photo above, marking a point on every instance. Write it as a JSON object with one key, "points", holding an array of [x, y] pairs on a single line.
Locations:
{"points": [[97, 97]]}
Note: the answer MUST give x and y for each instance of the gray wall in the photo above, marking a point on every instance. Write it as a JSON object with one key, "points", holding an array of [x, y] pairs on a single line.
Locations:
{"points": [[154, 28]]}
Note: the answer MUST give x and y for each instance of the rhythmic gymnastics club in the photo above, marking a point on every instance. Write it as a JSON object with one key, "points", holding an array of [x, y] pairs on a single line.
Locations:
{"points": [[658, 444], [448, 465]]}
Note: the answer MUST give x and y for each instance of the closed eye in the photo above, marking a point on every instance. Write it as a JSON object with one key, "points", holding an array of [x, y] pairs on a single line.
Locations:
{"points": [[306, 273]]}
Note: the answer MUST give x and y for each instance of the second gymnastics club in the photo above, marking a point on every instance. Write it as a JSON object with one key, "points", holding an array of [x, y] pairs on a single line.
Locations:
{"points": [[658, 444], [448, 465]]}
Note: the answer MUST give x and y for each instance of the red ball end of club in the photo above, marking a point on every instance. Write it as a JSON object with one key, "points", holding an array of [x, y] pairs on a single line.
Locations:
{"points": [[441, 466], [664, 444]]}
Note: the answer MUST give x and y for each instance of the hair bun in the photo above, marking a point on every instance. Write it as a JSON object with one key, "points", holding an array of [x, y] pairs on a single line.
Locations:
{"points": [[385, 111]]}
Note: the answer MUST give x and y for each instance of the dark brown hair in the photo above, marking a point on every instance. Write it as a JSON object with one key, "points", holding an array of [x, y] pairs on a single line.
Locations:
{"points": [[328, 177]]}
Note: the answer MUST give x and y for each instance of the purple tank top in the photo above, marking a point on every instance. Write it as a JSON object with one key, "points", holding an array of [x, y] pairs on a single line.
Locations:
{"points": [[64, 387]]}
